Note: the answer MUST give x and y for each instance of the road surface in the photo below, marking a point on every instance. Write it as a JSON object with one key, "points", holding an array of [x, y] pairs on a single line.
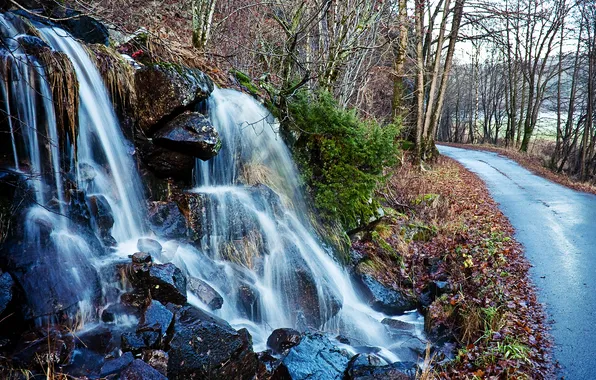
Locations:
{"points": [[557, 227]]}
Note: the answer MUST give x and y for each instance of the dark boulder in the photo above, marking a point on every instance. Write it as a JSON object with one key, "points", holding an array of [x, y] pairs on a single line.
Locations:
{"points": [[6, 290], [166, 220], [139, 370], [190, 133], [164, 90], [204, 346], [281, 340], [152, 247], [316, 358], [205, 293], [156, 317], [383, 298], [165, 163]]}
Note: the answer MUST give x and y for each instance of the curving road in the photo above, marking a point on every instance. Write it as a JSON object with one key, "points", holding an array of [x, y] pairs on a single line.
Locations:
{"points": [[557, 227]]}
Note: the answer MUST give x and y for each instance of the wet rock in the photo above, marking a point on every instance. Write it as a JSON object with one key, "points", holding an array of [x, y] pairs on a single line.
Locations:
{"points": [[98, 339], [204, 346], [141, 258], [316, 358], [6, 290], [156, 317], [396, 371], [136, 299], [382, 298], [282, 339], [102, 218], [139, 370], [165, 163], [248, 301], [271, 367], [44, 347], [83, 27], [166, 220], [152, 247], [306, 297], [410, 349], [190, 133], [116, 365], [157, 359], [205, 293], [31, 44], [136, 342], [398, 325], [167, 283], [50, 287], [165, 89]]}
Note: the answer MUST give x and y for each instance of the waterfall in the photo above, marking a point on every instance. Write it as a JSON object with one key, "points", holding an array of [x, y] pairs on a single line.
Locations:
{"points": [[281, 256], [257, 247], [101, 143]]}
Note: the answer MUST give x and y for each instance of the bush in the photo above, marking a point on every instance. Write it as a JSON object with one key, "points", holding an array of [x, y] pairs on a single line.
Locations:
{"points": [[342, 157]]}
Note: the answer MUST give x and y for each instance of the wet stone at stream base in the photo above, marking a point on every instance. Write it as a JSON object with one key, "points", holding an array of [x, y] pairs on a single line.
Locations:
{"points": [[205, 293], [206, 347]]}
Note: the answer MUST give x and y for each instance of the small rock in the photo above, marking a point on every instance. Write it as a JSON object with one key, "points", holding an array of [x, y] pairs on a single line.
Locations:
{"points": [[141, 258], [205, 293], [282, 339]]}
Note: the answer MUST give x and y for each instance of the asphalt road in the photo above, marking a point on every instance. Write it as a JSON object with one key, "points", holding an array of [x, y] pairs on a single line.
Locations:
{"points": [[557, 227]]}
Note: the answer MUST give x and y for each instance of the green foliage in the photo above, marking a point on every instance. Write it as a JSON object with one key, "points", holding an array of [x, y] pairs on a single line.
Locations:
{"points": [[342, 157]]}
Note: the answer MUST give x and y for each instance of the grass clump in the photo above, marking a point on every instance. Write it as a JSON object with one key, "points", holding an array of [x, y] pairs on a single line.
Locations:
{"points": [[341, 156]]}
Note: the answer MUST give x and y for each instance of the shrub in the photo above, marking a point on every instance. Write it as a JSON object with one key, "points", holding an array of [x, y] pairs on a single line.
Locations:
{"points": [[342, 157]]}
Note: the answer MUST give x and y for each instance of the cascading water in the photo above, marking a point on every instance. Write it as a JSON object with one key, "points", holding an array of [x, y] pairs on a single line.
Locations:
{"points": [[30, 112], [267, 234], [256, 248]]}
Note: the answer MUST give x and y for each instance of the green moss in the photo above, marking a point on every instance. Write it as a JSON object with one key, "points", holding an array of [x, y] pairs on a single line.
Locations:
{"points": [[341, 157], [245, 81]]}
